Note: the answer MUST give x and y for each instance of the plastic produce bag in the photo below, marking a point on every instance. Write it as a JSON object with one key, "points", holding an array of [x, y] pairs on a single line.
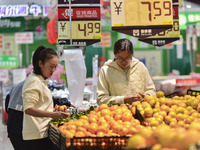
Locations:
{"points": [[76, 74]]}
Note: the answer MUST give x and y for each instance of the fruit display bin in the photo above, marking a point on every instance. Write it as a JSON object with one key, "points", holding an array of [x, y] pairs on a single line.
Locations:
{"points": [[193, 92], [57, 137], [87, 143], [172, 95]]}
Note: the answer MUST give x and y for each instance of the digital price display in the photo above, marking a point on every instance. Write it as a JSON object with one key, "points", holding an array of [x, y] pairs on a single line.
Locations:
{"points": [[141, 16], [167, 36], [85, 25]]}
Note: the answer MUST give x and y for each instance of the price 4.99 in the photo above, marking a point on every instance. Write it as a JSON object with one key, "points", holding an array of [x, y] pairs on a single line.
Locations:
{"points": [[89, 28]]}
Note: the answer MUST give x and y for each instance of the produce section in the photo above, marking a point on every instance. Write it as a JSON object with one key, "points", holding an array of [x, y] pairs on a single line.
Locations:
{"points": [[163, 123]]}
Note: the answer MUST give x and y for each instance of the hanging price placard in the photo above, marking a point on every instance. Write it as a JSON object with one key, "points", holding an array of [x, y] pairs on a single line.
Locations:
{"points": [[167, 36], [140, 18], [79, 24]]}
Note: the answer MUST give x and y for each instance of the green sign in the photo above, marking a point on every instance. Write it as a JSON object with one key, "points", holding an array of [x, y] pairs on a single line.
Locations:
{"points": [[188, 18], [12, 25], [8, 61]]}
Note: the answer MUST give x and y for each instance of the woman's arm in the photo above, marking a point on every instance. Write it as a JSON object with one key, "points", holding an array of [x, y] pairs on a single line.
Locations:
{"points": [[41, 113]]}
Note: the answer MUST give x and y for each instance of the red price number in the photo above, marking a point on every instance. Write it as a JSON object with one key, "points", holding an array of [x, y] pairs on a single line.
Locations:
{"points": [[175, 28], [160, 8], [89, 28]]}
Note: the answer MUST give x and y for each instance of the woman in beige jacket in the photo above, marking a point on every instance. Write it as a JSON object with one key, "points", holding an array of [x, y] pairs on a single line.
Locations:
{"points": [[122, 79]]}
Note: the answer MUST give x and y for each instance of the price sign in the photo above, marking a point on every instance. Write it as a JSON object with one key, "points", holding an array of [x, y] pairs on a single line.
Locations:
{"points": [[130, 16], [79, 1], [167, 36], [79, 24], [80, 29]]}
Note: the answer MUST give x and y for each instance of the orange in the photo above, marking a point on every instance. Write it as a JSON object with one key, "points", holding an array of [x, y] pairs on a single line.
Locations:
{"points": [[82, 129], [71, 127], [100, 134], [107, 117], [136, 142], [126, 116], [117, 117], [92, 112], [117, 128], [79, 134], [96, 109], [92, 118], [113, 108], [68, 134], [103, 128], [127, 124], [135, 122], [119, 121], [101, 121], [112, 122], [79, 123], [124, 108], [84, 117], [118, 110], [105, 112], [103, 106], [92, 128], [132, 130], [123, 131]]}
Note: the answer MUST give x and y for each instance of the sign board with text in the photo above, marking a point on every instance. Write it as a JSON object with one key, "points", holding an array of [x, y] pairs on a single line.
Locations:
{"points": [[141, 18], [167, 36], [84, 26], [24, 37]]}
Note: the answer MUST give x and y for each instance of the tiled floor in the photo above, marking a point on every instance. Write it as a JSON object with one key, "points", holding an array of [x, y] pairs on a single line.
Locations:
{"points": [[4, 141]]}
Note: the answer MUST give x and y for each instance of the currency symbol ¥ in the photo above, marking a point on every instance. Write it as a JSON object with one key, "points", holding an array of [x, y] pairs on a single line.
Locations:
{"points": [[118, 8]]}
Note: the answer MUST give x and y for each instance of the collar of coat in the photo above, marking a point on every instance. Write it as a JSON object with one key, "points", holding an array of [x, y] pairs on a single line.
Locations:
{"points": [[113, 63]]}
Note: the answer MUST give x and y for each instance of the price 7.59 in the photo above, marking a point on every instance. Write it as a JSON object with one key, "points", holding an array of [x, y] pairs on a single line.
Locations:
{"points": [[158, 8], [89, 28]]}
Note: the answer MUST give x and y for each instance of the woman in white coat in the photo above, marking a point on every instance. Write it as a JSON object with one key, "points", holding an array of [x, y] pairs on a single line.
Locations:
{"points": [[123, 78]]}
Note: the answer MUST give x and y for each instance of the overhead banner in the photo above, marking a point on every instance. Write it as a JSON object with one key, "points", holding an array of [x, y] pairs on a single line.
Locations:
{"points": [[12, 25], [79, 23], [167, 36], [141, 18]]}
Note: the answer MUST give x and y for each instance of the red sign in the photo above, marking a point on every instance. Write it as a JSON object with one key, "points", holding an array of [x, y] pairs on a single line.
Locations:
{"points": [[79, 1], [52, 30], [79, 13], [187, 81], [175, 11], [1, 40]]}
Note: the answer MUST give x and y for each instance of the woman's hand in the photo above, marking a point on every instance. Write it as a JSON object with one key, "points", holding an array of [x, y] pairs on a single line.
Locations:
{"points": [[131, 99], [60, 115]]}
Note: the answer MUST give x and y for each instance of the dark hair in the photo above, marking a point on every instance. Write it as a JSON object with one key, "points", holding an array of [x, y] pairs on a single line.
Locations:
{"points": [[123, 45], [42, 54]]}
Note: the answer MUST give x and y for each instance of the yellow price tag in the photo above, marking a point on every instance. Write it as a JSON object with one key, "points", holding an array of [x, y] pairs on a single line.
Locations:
{"points": [[80, 29], [174, 32], [141, 12]]}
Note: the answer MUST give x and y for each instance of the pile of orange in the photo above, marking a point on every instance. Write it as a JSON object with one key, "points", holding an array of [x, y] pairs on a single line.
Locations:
{"points": [[103, 121]]}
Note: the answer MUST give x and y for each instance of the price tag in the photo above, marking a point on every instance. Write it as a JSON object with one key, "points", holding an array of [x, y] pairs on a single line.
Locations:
{"points": [[167, 36], [130, 16], [80, 29], [79, 24], [79, 1]]}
